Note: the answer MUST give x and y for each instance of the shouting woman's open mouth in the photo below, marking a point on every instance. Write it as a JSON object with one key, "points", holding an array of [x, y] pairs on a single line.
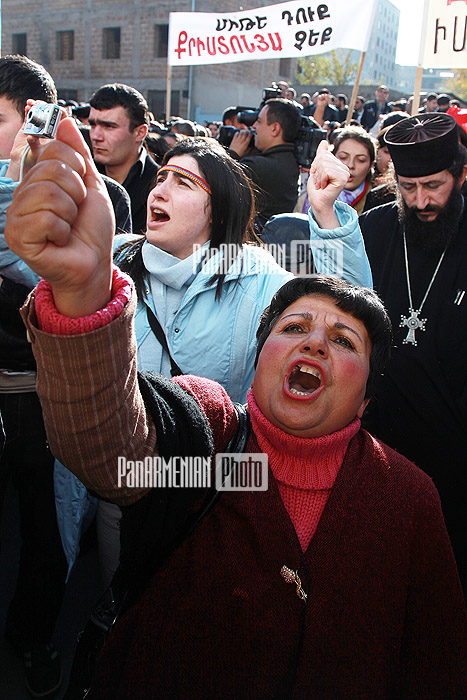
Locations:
{"points": [[303, 381], [158, 215]]}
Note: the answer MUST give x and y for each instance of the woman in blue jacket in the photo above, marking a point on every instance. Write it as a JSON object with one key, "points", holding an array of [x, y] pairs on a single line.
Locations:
{"points": [[199, 268]]}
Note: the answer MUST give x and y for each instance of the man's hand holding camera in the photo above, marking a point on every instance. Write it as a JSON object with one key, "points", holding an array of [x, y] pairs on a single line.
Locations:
{"points": [[61, 224], [328, 177], [241, 143], [25, 139]]}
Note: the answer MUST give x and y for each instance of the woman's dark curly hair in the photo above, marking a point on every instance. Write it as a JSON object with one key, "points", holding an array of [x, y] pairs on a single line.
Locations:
{"points": [[362, 303]]}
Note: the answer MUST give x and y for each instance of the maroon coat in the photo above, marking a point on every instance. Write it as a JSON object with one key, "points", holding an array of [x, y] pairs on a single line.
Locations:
{"points": [[384, 617]]}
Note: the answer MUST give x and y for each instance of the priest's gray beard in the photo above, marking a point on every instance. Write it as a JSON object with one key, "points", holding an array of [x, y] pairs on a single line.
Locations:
{"points": [[432, 235]]}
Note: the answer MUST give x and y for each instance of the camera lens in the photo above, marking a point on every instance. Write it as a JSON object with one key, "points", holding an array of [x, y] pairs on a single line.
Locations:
{"points": [[36, 118], [226, 134], [248, 116]]}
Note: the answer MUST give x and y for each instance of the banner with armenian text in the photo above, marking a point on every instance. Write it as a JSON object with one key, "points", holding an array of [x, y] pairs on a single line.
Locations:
{"points": [[290, 29]]}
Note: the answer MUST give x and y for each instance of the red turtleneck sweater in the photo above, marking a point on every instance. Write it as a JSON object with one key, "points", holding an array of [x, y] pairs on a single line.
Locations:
{"points": [[305, 468]]}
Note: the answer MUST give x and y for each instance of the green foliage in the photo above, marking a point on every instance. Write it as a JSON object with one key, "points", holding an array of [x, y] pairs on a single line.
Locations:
{"points": [[458, 84], [334, 68]]}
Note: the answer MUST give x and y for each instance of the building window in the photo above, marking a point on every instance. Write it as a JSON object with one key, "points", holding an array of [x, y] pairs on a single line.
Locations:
{"points": [[19, 44], [66, 94], [111, 42], [64, 43], [156, 102], [161, 40], [285, 67]]}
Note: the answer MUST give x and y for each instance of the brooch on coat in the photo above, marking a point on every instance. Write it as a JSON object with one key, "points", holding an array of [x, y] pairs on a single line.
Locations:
{"points": [[292, 577]]}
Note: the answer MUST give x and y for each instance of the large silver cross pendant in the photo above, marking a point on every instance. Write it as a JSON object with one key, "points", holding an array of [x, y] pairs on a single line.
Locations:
{"points": [[413, 323]]}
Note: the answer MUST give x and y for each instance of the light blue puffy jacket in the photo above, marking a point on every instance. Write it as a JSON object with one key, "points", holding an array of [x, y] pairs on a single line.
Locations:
{"points": [[217, 339]]}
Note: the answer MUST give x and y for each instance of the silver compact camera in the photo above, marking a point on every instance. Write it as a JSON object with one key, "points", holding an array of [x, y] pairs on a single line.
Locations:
{"points": [[42, 120]]}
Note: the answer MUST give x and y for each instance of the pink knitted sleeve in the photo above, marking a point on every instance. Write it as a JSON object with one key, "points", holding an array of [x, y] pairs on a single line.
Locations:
{"points": [[51, 321]]}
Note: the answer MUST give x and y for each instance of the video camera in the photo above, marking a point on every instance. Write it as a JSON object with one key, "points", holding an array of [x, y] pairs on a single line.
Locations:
{"points": [[247, 116], [306, 142]]}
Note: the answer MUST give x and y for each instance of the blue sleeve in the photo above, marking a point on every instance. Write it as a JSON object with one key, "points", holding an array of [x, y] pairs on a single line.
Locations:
{"points": [[340, 252], [267, 284], [11, 266]]}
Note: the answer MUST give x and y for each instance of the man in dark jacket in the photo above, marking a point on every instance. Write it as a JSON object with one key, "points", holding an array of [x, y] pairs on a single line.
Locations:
{"points": [[330, 113], [119, 124], [274, 169], [342, 106], [307, 104], [374, 108]]}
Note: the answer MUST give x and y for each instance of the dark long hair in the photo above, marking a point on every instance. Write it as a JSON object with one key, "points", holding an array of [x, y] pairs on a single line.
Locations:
{"points": [[232, 209]]}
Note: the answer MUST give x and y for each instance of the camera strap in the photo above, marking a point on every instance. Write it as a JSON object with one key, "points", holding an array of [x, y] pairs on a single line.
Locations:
{"points": [[160, 335], [24, 155], [157, 328]]}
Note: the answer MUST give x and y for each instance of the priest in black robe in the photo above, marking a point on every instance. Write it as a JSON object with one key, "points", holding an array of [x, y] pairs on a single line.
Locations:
{"points": [[417, 249]]}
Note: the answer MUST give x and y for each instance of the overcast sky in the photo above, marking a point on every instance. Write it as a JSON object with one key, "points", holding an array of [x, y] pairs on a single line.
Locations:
{"points": [[410, 23]]}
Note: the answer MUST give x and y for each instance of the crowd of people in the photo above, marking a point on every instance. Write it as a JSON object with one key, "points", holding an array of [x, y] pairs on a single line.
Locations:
{"points": [[140, 252], [274, 174]]}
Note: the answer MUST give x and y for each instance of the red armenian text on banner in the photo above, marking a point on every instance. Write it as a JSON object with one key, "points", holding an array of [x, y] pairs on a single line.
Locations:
{"points": [[290, 29]]}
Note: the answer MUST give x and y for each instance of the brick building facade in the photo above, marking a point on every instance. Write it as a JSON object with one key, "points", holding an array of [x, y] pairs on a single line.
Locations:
{"points": [[86, 43]]}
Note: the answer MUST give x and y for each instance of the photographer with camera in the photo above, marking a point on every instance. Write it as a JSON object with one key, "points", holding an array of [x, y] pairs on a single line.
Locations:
{"points": [[274, 169], [26, 460], [230, 118]]}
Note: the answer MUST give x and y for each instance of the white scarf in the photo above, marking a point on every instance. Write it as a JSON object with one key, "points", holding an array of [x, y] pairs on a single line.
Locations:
{"points": [[169, 279]]}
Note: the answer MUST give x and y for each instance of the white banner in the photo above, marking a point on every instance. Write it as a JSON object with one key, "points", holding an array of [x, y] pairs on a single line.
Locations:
{"points": [[291, 29], [445, 40]]}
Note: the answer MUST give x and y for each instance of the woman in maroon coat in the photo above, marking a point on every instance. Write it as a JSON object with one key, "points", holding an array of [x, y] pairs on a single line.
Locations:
{"points": [[336, 582]]}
